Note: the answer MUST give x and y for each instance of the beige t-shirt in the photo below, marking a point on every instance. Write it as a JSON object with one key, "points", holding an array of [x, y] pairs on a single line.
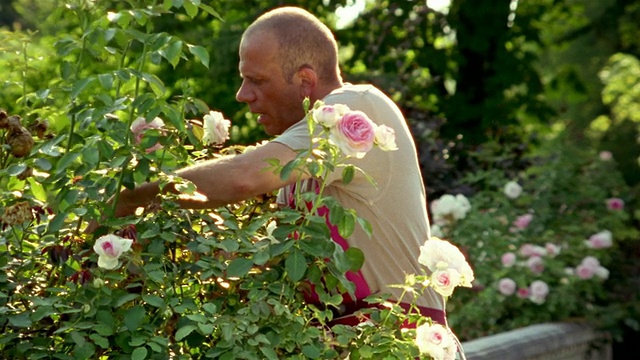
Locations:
{"points": [[396, 208]]}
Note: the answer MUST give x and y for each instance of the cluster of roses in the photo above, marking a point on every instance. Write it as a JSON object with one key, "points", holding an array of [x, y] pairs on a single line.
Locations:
{"points": [[447, 210], [538, 290], [534, 255], [449, 269], [352, 130]]}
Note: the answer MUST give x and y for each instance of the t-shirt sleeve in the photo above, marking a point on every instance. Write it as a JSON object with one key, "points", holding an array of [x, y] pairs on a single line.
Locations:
{"points": [[296, 137]]}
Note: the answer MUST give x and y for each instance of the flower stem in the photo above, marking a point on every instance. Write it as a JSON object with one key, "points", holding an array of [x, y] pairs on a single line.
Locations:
{"points": [[130, 120]]}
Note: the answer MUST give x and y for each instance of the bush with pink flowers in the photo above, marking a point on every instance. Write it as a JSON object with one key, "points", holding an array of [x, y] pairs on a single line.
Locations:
{"points": [[547, 245]]}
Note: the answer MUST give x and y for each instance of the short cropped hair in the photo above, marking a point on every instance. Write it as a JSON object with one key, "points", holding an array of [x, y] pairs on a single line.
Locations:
{"points": [[303, 40]]}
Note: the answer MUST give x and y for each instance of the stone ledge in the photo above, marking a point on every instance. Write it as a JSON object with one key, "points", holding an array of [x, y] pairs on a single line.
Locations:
{"points": [[549, 341]]}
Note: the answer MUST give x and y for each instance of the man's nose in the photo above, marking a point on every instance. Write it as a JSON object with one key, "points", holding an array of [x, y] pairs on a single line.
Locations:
{"points": [[244, 94]]}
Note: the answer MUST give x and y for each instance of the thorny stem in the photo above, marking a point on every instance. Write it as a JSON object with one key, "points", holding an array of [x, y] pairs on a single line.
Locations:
{"points": [[130, 120]]}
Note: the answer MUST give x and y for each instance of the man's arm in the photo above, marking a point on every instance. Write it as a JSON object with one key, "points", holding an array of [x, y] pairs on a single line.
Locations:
{"points": [[221, 181]]}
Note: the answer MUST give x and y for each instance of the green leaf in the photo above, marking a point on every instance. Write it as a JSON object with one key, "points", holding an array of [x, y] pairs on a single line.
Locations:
{"points": [[311, 352], [184, 332], [356, 258], [106, 80], [134, 317], [65, 161], [366, 226], [347, 174], [200, 53], [296, 265], [139, 353], [153, 300], [262, 256], [206, 329], [172, 52], [37, 190], [43, 164], [16, 169], [125, 299], [20, 320], [316, 248], [156, 84], [80, 85], [239, 267], [104, 330], [56, 223], [100, 341], [84, 351], [269, 353], [191, 8], [347, 225], [286, 171], [211, 11], [211, 308], [90, 156]]}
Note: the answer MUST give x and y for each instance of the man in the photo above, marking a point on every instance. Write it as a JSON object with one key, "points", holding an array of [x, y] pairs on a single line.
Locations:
{"points": [[288, 55]]}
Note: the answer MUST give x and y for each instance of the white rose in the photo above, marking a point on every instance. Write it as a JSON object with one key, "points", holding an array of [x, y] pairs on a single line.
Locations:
{"points": [[437, 254], [109, 249], [328, 115], [512, 189], [435, 340], [216, 128], [386, 138]]}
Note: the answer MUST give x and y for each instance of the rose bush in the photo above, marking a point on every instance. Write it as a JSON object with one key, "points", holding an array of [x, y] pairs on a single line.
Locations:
{"points": [[545, 246], [168, 282]]}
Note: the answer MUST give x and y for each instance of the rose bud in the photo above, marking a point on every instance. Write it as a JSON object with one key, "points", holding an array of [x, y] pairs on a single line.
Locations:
{"points": [[25, 174], [21, 141], [40, 128], [4, 119]]}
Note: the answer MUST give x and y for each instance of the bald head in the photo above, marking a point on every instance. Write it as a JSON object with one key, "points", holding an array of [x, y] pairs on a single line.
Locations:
{"points": [[303, 41]]}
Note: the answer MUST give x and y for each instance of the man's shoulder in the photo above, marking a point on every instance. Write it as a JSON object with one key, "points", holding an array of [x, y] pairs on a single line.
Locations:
{"points": [[357, 95], [349, 89]]}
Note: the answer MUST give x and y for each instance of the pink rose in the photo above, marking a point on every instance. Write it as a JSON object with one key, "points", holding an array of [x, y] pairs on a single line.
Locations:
{"points": [[109, 249], [615, 204], [536, 264], [508, 259], [552, 249], [584, 272], [539, 291], [601, 240], [522, 222], [140, 125], [354, 133], [605, 155], [507, 286], [587, 268], [529, 250], [523, 293]]}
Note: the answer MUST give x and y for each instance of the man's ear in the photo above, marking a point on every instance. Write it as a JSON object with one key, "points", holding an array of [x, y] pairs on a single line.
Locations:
{"points": [[307, 78]]}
